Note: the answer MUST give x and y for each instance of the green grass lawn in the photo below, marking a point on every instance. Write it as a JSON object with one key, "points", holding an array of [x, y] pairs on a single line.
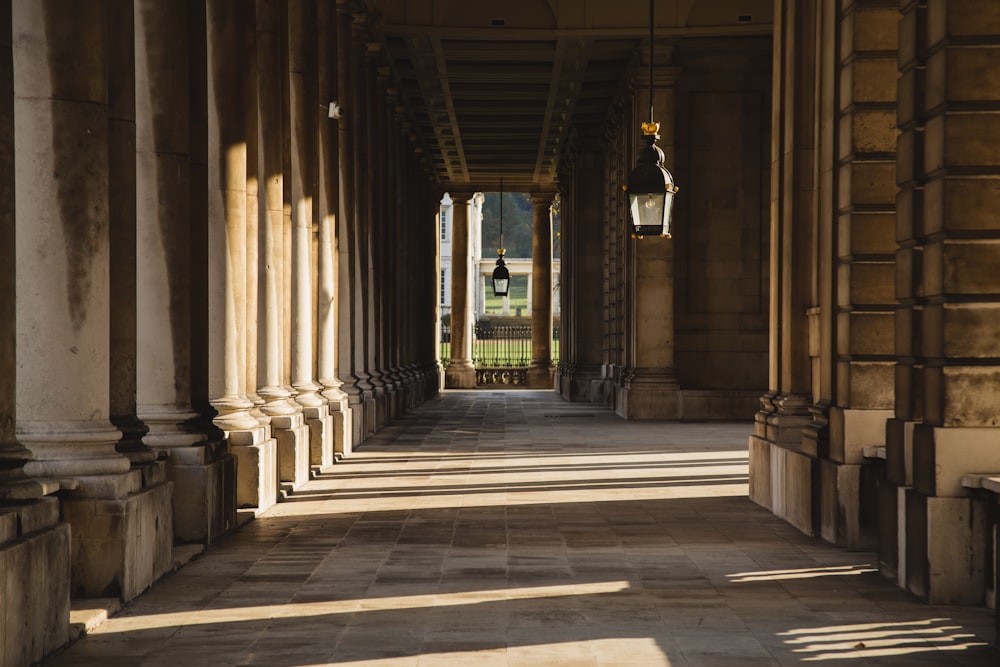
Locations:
{"points": [[479, 347], [518, 296]]}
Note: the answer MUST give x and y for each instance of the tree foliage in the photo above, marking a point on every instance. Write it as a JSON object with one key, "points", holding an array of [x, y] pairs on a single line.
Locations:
{"points": [[517, 224]]}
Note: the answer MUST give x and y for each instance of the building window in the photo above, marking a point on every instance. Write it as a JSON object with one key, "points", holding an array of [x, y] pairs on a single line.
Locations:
{"points": [[442, 280], [444, 223]]}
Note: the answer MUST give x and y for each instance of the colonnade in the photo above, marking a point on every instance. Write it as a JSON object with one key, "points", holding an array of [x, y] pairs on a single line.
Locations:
{"points": [[212, 286]]}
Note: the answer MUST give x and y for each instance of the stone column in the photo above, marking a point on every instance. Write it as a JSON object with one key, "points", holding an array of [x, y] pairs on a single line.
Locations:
{"points": [[328, 306], [293, 462], [539, 372], [35, 544], [122, 533], [615, 211], [350, 329], [784, 409], [227, 233], [650, 389], [960, 431], [163, 274], [460, 373]]}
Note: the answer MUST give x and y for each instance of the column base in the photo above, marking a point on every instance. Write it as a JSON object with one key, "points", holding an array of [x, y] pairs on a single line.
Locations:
{"points": [[120, 546], [540, 377], [204, 494], [781, 480], [35, 559], [459, 376], [256, 471]]}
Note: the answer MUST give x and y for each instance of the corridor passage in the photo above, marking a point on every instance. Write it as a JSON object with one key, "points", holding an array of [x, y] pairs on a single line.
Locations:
{"points": [[492, 528]]}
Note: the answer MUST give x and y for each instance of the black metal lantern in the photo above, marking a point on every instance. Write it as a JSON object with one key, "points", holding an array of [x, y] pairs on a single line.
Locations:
{"points": [[650, 187], [501, 275]]}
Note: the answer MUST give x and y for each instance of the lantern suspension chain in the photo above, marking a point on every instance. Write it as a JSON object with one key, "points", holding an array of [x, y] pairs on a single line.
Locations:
{"points": [[651, 3]]}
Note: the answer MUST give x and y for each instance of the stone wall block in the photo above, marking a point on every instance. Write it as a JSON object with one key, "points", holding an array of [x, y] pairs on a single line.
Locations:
{"points": [[866, 384], [874, 80], [962, 18], [970, 397], [966, 203], [866, 332], [874, 28], [971, 330], [868, 183], [869, 233], [970, 140], [866, 283], [873, 131], [970, 267]]}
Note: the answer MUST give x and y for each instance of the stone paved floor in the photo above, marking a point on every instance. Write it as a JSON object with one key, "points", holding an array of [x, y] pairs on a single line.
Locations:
{"points": [[511, 528]]}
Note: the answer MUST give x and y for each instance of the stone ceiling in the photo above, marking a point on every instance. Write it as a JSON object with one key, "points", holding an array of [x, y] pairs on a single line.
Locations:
{"points": [[493, 87]]}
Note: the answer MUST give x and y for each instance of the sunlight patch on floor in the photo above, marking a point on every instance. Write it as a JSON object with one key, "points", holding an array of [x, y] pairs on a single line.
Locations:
{"points": [[874, 640]]}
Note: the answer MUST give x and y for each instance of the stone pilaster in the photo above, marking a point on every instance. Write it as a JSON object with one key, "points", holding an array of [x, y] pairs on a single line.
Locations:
{"points": [[650, 389], [540, 371], [583, 272], [227, 260], [460, 373]]}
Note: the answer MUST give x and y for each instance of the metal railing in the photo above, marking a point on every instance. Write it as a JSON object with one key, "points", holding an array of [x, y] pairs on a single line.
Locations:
{"points": [[500, 352]]}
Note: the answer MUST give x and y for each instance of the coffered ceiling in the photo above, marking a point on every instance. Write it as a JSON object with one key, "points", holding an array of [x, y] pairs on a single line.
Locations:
{"points": [[492, 88]]}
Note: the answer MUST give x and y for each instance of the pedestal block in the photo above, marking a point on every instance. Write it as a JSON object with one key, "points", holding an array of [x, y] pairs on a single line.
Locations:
{"points": [[945, 549], [321, 436], [256, 472], [342, 432], [35, 588], [120, 546], [650, 396], [204, 494], [292, 436]]}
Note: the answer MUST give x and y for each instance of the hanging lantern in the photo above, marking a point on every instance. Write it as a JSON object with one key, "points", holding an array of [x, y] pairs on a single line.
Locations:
{"points": [[501, 275], [650, 187]]}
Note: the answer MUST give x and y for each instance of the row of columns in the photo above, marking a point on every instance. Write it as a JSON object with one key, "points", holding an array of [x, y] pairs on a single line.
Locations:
{"points": [[203, 267]]}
